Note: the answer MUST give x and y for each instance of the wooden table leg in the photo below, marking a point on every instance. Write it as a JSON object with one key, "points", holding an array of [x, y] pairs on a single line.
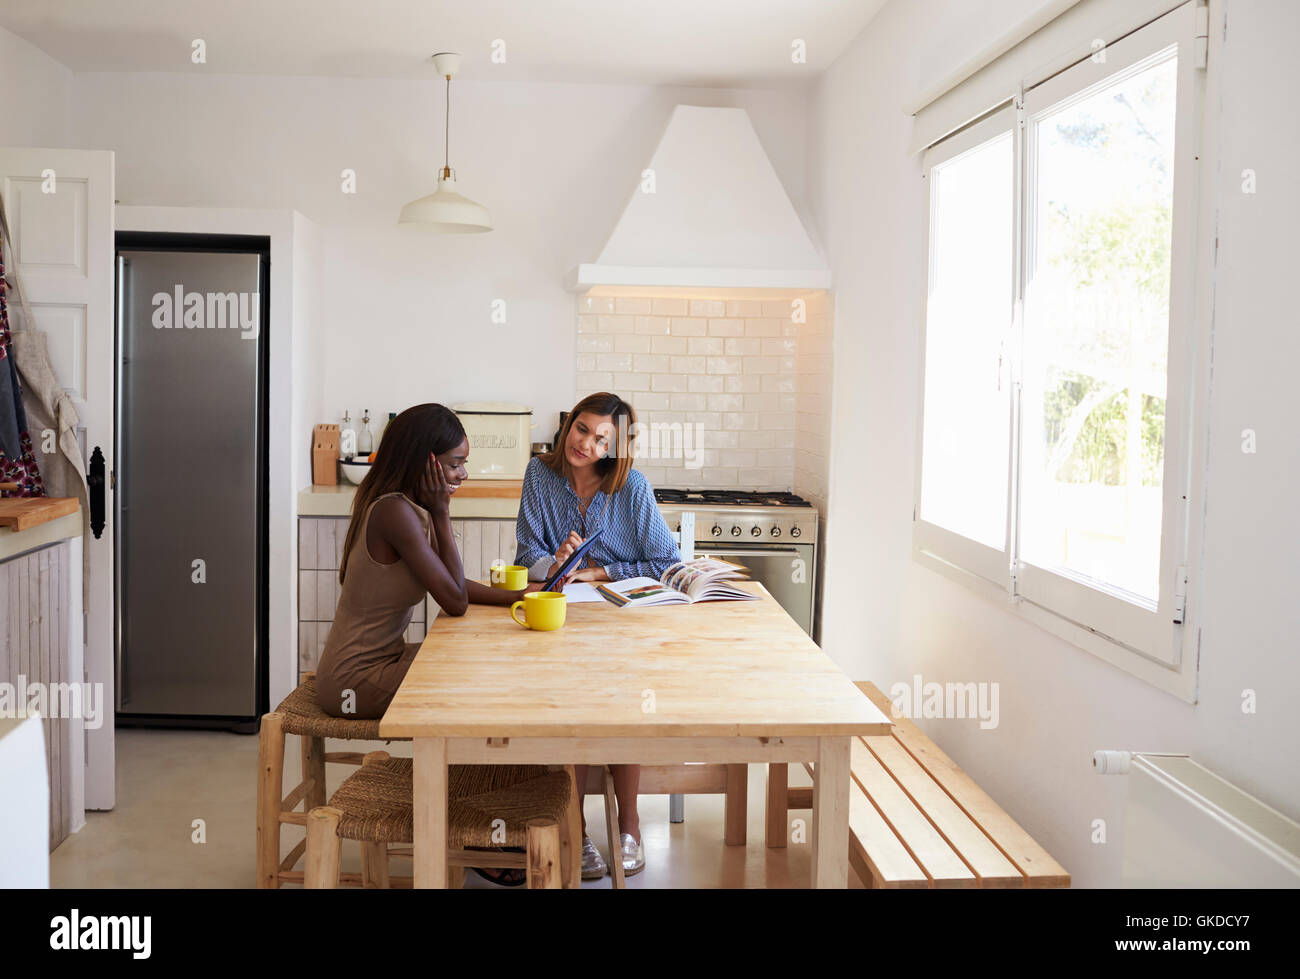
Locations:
{"points": [[430, 798], [831, 814], [736, 806], [778, 804]]}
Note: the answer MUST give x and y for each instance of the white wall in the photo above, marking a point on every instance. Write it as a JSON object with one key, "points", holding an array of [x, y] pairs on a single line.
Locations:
{"points": [[36, 95], [887, 618], [405, 315]]}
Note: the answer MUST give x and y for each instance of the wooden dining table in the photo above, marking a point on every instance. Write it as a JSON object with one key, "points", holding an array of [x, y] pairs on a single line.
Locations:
{"points": [[719, 682]]}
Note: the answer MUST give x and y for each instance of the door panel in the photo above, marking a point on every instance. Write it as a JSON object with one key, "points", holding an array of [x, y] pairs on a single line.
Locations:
{"points": [[60, 206]]}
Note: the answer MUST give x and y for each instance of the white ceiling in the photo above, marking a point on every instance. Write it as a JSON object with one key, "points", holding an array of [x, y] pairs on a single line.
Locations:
{"points": [[663, 42]]}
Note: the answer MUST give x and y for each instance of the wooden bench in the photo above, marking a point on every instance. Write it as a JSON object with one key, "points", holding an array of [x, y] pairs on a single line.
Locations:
{"points": [[917, 820]]}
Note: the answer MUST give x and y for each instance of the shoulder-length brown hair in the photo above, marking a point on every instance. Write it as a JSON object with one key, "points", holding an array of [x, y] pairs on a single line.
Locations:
{"points": [[400, 463], [617, 463]]}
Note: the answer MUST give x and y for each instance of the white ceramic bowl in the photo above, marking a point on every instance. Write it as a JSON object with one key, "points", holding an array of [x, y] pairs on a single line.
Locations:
{"points": [[354, 472]]}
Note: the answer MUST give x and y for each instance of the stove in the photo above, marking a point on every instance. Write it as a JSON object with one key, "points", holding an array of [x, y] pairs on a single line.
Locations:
{"points": [[773, 534], [739, 515]]}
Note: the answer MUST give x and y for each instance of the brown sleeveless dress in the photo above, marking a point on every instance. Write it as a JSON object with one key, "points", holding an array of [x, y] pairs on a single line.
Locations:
{"points": [[366, 652]]}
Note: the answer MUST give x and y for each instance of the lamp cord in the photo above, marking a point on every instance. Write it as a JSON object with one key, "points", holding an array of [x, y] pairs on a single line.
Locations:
{"points": [[446, 135]]}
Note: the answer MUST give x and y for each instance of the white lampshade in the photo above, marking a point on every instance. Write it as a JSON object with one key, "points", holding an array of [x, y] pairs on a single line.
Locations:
{"points": [[446, 211]]}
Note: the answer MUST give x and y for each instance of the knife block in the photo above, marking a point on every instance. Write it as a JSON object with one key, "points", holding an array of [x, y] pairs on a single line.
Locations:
{"points": [[325, 455]]}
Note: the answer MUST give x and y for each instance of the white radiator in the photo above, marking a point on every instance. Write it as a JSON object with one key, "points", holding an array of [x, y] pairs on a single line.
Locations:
{"points": [[1187, 827]]}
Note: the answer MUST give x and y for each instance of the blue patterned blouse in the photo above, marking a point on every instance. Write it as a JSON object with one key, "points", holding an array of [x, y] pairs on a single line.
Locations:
{"points": [[636, 540]]}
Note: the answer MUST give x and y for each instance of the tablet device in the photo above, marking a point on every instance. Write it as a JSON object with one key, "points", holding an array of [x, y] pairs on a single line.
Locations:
{"points": [[573, 561]]}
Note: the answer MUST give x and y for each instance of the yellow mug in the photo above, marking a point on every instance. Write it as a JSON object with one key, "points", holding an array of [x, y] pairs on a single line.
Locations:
{"points": [[543, 610], [512, 577]]}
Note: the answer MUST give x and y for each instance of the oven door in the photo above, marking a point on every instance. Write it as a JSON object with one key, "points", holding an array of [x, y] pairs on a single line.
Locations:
{"points": [[786, 570]]}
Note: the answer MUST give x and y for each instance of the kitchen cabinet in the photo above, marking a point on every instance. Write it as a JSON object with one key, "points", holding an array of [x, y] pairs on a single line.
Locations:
{"points": [[320, 552], [35, 644]]}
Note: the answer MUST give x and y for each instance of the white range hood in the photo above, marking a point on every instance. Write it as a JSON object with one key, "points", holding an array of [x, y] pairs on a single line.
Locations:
{"points": [[718, 217]]}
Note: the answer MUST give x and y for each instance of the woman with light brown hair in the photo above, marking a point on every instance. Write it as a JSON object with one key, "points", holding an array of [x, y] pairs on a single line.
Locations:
{"points": [[584, 484]]}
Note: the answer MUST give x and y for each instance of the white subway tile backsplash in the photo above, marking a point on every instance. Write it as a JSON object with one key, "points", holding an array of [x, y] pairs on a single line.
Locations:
{"points": [[736, 421], [726, 328], [643, 400], [632, 344], [668, 382], [741, 380], [669, 345], [707, 346], [778, 346], [596, 304], [614, 362], [689, 326], [705, 383], [708, 307], [631, 382], [649, 325], [742, 346], [777, 384], [653, 363], [615, 324], [670, 307], [760, 327], [739, 384], [723, 365], [744, 307]]}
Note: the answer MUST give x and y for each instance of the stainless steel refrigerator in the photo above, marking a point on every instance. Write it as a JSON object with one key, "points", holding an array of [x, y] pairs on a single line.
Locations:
{"points": [[190, 489]]}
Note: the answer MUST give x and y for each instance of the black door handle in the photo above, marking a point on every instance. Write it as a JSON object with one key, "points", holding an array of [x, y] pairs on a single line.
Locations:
{"points": [[95, 483]]}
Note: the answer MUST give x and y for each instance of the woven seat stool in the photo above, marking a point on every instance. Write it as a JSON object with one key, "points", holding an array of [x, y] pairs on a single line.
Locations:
{"points": [[488, 806], [298, 714]]}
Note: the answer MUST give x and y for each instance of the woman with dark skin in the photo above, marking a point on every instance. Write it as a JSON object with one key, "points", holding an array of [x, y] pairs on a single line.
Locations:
{"points": [[399, 548]]}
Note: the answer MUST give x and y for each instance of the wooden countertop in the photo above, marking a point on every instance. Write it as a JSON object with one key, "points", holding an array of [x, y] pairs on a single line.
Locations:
{"points": [[477, 498], [25, 512], [716, 669]]}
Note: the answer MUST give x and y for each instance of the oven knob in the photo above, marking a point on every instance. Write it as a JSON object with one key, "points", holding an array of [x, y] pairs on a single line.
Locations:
{"points": [[795, 532], [716, 531], [756, 532], [735, 531], [776, 531]]}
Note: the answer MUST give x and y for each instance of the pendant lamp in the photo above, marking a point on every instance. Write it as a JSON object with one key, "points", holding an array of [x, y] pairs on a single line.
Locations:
{"points": [[446, 211]]}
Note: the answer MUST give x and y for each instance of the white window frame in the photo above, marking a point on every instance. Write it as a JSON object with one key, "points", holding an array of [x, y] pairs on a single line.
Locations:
{"points": [[1146, 643]]}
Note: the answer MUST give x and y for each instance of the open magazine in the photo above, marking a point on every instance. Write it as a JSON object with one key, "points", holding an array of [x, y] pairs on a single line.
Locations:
{"points": [[702, 580]]}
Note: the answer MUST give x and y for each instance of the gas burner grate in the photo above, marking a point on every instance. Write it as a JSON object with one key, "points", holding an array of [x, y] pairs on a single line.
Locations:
{"points": [[730, 497]]}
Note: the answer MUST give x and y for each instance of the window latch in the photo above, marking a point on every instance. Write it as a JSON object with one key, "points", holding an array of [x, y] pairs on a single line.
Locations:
{"points": [[1180, 595]]}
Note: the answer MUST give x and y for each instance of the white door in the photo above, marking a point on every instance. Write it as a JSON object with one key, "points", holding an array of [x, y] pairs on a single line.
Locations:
{"points": [[60, 209]]}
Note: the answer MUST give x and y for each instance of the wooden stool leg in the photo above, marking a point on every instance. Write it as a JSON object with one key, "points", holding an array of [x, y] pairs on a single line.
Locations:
{"points": [[543, 855], [321, 867], [374, 865], [611, 828], [270, 788], [736, 806], [778, 804], [571, 836], [313, 767]]}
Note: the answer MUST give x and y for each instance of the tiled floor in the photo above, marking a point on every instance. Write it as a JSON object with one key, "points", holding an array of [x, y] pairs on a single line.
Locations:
{"points": [[167, 780]]}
